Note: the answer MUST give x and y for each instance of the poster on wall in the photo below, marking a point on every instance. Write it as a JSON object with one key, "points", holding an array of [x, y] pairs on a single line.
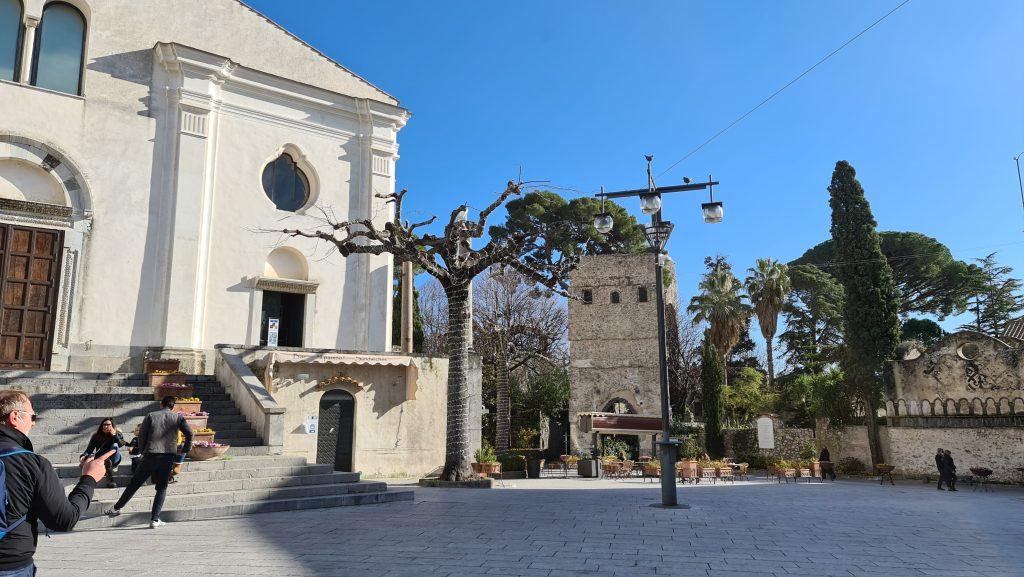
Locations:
{"points": [[273, 327], [311, 423], [765, 432]]}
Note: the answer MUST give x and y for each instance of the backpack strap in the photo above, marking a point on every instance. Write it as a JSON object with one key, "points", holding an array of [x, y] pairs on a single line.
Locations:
{"points": [[15, 452]]}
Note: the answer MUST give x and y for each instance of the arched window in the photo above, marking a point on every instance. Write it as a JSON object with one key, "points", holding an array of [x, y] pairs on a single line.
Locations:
{"points": [[641, 294], [285, 184], [615, 298], [10, 39], [60, 49]]}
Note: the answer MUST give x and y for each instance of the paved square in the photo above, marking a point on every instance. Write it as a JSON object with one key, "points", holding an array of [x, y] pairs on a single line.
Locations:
{"points": [[562, 528]]}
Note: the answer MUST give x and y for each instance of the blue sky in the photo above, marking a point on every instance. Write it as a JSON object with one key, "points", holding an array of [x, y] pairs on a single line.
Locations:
{"points": [[928, 106]]}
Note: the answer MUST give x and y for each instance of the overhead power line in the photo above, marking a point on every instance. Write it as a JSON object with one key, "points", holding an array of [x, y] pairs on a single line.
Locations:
{"points": [[743, 116]]}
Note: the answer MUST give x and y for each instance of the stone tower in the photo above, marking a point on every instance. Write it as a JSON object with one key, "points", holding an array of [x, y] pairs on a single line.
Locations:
{"points": [[613, 338]]}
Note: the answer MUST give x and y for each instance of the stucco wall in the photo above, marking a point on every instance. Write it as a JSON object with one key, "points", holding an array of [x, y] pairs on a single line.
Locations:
{"points": [[165, 252], [1000, 449], [613, 348]]}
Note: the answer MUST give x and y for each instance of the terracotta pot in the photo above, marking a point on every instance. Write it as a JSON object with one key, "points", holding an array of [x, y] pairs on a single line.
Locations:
{"points": [[157, 380], [652, 470], [151, 365], [197, 422], [486, 469], [789, 472], [181, 407], [705, 471], [804, 472], [207, 437], [160, 392], [815, 469], [204, 453], [689, 468]]}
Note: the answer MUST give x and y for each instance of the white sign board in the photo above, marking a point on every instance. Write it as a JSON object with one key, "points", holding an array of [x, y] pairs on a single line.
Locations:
{"points": [[311, 424], [273, 327], [765, 433]]}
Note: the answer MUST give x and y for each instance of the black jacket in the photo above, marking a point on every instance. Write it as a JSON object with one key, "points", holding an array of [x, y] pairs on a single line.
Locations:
{"points": [[99, 444], [34, 488], [939, 460]]}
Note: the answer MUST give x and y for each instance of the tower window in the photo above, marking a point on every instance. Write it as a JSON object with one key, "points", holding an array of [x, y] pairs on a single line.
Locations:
{"points": [[615, 298], [641, 294], [588, 296]]}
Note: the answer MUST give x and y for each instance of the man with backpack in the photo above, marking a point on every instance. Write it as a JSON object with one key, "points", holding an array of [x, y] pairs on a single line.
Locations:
{"points": [[158, 443], [30, 487]]}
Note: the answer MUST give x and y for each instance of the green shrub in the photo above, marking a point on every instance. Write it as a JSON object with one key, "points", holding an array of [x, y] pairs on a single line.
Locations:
{"points": [[689, 448], [809, 452], [850, 466], [616, 448], [512, 462], [485, 454]]}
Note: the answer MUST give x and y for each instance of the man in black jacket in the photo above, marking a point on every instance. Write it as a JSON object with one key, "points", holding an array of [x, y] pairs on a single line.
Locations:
{"points": [[940, 465], [33, 488]]}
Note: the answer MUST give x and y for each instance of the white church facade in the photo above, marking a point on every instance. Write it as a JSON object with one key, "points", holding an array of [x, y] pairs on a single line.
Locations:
{"points": [[147, 152]]}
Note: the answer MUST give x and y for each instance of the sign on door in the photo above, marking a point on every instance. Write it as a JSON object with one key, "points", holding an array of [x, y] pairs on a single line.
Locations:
{"points": [[273, 328]]}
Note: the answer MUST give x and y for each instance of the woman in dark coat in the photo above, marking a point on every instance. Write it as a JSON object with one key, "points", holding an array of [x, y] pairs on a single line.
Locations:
{"points": [[106, 438]]}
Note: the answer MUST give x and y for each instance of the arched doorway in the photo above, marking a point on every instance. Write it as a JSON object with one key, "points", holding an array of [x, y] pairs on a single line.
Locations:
{"points": [[621, 406], [336, 425]]}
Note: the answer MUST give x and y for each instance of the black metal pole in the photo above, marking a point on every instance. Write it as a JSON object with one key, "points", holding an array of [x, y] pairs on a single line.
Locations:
{"points": [[668, 447]]}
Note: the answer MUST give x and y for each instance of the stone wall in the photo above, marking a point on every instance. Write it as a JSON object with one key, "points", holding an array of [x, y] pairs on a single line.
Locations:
{"points": [[912, 450], [789, 442], [613, 347]]}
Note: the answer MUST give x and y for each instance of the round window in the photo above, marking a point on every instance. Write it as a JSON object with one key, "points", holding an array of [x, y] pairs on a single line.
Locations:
{"points": [[969, 351], [285, 184]]}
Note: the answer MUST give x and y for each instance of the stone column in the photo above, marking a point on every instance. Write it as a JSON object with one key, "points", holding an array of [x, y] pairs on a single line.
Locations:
{"points": [[28, 46], [408, 292]]}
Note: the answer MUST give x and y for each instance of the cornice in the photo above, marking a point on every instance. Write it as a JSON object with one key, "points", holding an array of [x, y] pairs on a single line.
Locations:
{"points": [[285, 285]]}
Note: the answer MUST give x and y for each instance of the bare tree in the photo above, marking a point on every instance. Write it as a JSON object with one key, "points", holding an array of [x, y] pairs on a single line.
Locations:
{"points": [[452, 260], [434, 314], [684, 364], [519, 328]]}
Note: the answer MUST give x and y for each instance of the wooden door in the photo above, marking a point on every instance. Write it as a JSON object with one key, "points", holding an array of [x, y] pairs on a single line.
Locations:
{"points": [[29, 277]]}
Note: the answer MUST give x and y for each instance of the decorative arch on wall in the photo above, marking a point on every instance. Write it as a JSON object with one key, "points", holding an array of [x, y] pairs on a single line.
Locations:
{"points": [[286, 262], [48, 162], [619, 406]]}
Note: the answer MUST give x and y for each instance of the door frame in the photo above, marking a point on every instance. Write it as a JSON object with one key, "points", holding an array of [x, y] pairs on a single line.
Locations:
{"points": [[320, 429], [53, 305]]}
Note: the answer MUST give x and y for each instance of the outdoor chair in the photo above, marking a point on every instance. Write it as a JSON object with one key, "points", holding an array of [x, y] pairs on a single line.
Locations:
{"points": [[610, 468], [627, 469]]}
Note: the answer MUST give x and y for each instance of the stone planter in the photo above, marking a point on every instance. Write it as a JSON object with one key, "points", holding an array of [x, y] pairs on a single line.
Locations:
{"points": [[788, 473], [160, 392], [168, 379], [207, 437], [815, 469], [652, 471], [186, 408], [588, 468], [152, 365], [206, 453], [804, 472], [708, 472], [533, 467], [197, 421], [689, 468], [486, 469]]}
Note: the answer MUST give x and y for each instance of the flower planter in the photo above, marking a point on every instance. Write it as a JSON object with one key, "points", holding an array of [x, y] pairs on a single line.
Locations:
{"points": [[172, 391], [884, 469], [168, 365], [169, 379], [487, 469], [188, 407], [707, 472], [689, 468], [197, 421], [203, 437], [652, 471], [815, 469], [805, 473], [533, 467], [788, 473], [588, 468], [205, 453]]}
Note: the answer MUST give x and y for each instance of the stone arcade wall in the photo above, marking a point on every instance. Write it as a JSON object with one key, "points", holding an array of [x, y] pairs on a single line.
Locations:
{"points": [[1000, 449]]}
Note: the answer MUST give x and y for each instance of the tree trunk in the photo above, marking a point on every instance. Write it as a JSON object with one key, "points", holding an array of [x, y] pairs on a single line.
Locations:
{"points": [[874, 443], [502, 439], [771, 364], [456, 456]]}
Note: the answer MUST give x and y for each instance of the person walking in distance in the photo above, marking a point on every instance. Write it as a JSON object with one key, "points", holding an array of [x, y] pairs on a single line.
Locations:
{"points": [[950, 468], [158, 443], [939, 459], [31, 488]]}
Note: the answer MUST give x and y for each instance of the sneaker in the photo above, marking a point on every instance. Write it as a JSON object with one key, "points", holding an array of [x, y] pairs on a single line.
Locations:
{"points": [[112, 512], [156, 523], [111, 485]]}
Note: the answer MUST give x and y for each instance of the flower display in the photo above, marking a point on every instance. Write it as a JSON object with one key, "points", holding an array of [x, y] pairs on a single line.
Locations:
{"points": [[208, 444], [203, 431], [174, 386], [196, 414], [189, 400]]}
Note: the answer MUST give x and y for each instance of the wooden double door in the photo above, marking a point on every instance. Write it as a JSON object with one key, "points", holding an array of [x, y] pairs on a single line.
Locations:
{"points": [[29, 278]]}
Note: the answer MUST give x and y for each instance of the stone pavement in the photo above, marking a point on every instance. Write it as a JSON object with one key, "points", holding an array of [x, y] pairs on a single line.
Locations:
{"points": [[585, 527]]}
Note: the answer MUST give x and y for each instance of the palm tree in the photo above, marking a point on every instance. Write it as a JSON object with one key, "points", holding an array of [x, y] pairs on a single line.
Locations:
{"points": [[720, 304], [768, 286]]}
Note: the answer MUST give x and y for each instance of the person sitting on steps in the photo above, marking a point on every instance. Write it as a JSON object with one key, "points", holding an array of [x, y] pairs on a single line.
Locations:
{"points": [[106, 438], [158, 443]]}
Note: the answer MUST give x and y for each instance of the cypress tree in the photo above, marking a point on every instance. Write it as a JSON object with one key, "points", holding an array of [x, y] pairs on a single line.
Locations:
{"points": [[870, 313], [712, 375]]}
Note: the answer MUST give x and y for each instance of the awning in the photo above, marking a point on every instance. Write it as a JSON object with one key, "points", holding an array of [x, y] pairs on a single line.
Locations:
{"points": [[342, 359], [619, 424]]}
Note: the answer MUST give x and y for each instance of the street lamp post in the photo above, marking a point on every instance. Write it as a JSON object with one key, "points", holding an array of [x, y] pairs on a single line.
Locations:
{"points": [[657, 237]]}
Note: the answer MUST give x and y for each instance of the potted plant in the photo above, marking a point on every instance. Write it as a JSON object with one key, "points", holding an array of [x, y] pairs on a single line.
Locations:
{"points": [[161, 365], [652, 468], [513, 466], [810, 456], [203, 450], [787, 469], [707, 468], [203, 435], [689, 449], [196, 421], [486, 461], [720, 466], [187, 405], [804, 468], [172, 390], [166, 377]]}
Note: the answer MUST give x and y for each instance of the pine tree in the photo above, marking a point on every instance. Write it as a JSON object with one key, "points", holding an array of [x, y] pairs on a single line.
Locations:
{"points": [[712, 376], [870, 312], [996, 300]]}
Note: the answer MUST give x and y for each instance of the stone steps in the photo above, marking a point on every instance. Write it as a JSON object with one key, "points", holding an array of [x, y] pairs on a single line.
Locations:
{"points": [[249, 479]]}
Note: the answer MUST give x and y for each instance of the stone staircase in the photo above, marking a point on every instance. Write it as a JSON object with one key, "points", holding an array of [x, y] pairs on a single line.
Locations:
{"points": [[249, 479]]}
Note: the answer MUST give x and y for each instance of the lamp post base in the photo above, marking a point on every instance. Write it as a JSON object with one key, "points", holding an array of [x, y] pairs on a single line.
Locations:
{"points": [[676, 506]]}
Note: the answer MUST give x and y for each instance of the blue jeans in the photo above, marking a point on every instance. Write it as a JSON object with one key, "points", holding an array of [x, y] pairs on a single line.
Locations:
{"points": [[26, 571]]}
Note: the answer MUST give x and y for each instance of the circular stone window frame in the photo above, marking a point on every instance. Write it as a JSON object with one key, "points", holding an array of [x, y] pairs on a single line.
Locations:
{"points": [[962, 352], [303, 164]]}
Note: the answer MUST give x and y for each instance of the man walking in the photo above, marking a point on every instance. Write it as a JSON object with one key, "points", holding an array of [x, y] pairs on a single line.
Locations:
{"points": [[950, 467], [33, 490], [939, 460], [158, 443]]}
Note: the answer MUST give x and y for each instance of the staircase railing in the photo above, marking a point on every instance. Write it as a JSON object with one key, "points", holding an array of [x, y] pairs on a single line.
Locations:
{"points": [[252, 398]]}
